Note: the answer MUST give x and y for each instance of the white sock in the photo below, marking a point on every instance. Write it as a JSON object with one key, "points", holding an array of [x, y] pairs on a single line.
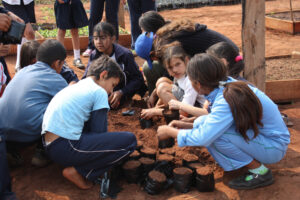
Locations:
{"points": [[76, 53], [19, 46]]}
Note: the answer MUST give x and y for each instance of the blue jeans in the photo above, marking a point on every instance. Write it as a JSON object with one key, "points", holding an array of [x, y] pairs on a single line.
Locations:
{"points": [[136, 9], [96, 12]]}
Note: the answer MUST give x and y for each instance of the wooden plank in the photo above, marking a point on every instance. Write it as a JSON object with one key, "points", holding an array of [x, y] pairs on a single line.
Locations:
{"points": [[121, 17], [283, 90], [282, 25], [253, 38]]}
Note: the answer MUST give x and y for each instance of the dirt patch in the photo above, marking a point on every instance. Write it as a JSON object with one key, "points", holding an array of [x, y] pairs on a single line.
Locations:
{"points": [[286, 15]]}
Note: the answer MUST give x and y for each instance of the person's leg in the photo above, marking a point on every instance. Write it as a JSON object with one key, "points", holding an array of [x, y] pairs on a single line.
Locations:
{"points": [[61, 36], [76, 49], [164, 92], [111, 12], [152, 75], [5, 183], [96, 12], [135, 13], [232, 152]]}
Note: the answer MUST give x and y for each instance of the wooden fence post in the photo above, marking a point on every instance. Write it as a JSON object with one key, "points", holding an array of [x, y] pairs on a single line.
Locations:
{"points": [[121, 15], [253, 38]]}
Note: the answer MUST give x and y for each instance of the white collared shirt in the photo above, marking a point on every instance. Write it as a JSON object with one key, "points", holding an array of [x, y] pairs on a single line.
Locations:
{"points": [[17, 2]]}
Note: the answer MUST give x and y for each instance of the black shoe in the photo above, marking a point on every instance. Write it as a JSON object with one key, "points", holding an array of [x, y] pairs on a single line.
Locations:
{"points": [[257, 181], [77, 63], [40, 159], [14, 159]]}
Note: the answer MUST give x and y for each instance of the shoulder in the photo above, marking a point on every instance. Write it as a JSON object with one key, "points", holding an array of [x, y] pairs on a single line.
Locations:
{"points": [[120, 50]]}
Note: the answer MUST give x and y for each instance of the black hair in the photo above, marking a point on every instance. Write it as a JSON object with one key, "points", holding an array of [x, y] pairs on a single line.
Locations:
{"points": [[207, 69], [50, 51], [229, 53], [28, 53], [105, 63], [106, 28], [151, 21]]}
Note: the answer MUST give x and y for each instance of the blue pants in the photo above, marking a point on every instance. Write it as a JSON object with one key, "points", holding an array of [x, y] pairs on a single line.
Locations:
{"points": [[232, 152], [96, 12], [136, 9], [5, 184], [93, 153]]}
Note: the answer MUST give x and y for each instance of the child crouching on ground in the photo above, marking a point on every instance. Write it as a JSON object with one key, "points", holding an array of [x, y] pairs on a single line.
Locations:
{"points": [[75, 126], [175, 61]]}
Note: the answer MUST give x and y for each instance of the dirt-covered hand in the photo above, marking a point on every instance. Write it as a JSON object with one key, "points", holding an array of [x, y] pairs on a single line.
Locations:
{"points": [[115, 99], [164, 132], [150, 112]]}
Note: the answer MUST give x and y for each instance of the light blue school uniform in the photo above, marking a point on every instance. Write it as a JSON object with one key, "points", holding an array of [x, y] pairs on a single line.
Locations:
{"points": [[71, 108], [217, 132]]}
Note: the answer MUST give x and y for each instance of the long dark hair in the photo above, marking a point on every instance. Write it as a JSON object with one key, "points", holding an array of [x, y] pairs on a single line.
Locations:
{"points": [[229, 53], [28, 53], [245, 106]]}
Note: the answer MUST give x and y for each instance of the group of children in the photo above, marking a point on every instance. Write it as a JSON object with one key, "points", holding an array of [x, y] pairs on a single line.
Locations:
{"points": [[238, 124]]}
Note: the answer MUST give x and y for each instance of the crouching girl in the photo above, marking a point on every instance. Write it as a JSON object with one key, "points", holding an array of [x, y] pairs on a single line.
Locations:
{"points": [[75, 126], [244, 128]]}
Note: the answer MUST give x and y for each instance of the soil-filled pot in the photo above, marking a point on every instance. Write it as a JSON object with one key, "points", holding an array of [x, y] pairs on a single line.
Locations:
{"points": [[132, 171], [166, 143], [189, 158], [146, 123], [139, 145], [165, 164], [135, 155], [148, 152], [169, 151], [183, 179], [170, 115], [155, 182], [147, 165], [205, 181]]}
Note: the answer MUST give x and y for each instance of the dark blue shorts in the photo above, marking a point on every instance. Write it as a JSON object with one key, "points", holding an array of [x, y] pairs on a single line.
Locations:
{"points": [[25, 12], [69, 16]]}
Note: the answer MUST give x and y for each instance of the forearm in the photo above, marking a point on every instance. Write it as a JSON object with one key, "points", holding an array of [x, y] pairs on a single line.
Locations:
{"points": [[195, 111]]}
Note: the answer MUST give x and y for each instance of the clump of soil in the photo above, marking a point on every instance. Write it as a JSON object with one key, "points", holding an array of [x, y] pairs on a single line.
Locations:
{"points": [[190, 158], [204, 170], [165, 157], [148, 152], [195, 166], [146, 161], [169, 151], [170, 115], [182, 171], [132, 164], [157, 176], [135, 155]]}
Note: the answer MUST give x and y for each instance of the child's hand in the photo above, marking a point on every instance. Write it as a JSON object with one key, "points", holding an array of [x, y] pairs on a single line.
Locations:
{"points": [[4, 22], [61, 1], [174, 104], [115, 98], [149, 113], [164, 132]]}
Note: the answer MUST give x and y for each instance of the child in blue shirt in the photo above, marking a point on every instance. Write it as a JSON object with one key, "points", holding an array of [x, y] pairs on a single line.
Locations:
{"points": [[75, 126], [244, 128], [104, 37]]}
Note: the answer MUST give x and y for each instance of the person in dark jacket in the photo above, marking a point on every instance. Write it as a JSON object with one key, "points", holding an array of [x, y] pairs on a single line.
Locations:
{"points": [[104, 37]]}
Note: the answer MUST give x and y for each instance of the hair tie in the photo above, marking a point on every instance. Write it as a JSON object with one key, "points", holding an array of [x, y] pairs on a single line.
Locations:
{"points": [[238, 58], [222, 84]]}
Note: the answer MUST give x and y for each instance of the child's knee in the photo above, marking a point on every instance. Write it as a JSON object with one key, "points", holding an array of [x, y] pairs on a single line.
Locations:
{"points": [[163, 88], [129, 140]]}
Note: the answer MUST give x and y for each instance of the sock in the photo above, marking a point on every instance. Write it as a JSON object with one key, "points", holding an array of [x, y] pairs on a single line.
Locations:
{"points": [[17, 67], [260, 170], [76, 53]]}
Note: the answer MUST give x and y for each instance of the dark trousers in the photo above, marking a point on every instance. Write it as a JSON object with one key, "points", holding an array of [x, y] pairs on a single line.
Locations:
{"points": [[136, 9], [5, 184], [96, 12]]}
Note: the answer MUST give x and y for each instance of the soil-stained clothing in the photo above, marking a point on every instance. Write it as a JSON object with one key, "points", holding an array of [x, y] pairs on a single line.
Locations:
{"points": [[217, 132], [25, 100]]}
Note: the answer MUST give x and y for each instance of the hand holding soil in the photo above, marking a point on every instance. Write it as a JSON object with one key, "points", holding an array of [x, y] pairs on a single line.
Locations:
{"points": [[164, 132]]}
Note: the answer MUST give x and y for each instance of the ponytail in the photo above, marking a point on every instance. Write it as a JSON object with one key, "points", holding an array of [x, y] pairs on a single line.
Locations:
{"points": [[245, 107]]}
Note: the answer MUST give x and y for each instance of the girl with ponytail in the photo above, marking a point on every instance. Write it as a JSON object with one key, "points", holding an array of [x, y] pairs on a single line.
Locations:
{"points": [[243, 129]]}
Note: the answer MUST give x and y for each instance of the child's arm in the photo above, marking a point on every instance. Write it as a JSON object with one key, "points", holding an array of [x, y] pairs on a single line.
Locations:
{"points": [[97, 122], [134, 77], [150, 112], [195, 111]]}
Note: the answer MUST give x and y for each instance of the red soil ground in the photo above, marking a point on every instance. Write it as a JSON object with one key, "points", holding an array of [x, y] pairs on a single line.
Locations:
{"points": [[48, 183]]}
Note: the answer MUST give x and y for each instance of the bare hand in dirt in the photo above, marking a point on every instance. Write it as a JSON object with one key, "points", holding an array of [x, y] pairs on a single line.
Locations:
{"points": [[152, 99], [187, 119], [174, 104], [115, 98], [5, 21], [180, 124], [150, 112], [165, 132], [15, 17], [4, 50]]}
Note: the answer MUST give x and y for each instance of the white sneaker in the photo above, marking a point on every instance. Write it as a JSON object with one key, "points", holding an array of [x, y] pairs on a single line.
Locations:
{"points": [[87, 53]]}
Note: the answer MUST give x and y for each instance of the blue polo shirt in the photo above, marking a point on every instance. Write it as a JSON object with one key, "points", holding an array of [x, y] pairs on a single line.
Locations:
{"points": [[25, 100]]}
